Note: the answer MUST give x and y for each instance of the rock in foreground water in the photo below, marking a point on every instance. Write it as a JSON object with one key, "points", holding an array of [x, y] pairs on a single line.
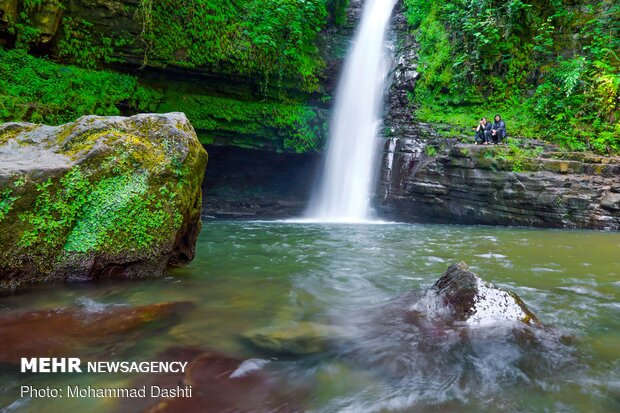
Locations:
{"points": [[460, 295], [219, 383], [298, 339], [99, 197], [63, 331]]}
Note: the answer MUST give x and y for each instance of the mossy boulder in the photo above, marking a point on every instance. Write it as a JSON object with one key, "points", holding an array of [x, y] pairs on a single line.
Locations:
{"points": [[99, 197]]}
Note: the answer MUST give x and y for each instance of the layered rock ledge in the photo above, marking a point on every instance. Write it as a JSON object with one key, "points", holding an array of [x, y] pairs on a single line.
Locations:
{"points": [[99, 197], [471, 184]]}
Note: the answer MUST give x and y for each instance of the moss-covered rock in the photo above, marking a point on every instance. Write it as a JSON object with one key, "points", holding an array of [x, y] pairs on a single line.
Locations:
{"points": [[9, 10], [100, 197], [298, 339]]}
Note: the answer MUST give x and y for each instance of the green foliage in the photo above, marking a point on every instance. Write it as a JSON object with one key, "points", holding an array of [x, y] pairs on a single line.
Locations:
{"points": [[435, 59], [272, 38], [514, 57], [40, 91], [26, 35], [81, 213], [417, 11], [78, 44], [430, 150], [291, 127], [520, 120], [6, 202]]}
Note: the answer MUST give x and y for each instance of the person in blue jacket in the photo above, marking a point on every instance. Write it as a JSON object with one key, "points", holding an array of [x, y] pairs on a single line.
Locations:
{"points": [[498, 130]]}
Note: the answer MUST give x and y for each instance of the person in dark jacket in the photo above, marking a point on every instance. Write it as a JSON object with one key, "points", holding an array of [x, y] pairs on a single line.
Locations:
{"points": [[498, 130], [483, 132]]}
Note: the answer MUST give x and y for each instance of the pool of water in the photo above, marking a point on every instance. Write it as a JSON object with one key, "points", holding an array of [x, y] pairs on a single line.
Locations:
{"points": [[249, 275]]}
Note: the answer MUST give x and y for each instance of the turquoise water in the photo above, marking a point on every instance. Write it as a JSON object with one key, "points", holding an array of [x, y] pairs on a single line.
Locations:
{"points": [[249, 275]]}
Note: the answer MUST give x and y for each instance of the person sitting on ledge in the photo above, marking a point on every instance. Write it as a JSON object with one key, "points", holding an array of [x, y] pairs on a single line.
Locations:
{"points": [[498, 130], [483, 132]]}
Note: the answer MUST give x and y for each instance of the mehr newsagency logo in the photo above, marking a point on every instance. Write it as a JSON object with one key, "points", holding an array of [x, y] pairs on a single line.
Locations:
{"points": [[51, 365]]}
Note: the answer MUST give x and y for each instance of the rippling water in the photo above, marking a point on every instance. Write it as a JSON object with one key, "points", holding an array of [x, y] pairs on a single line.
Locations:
{"points": [[249, 275]]}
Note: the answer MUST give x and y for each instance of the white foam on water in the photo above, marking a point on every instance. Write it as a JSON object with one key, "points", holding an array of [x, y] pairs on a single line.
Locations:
{"points": [[494, 306], [248, 366]]}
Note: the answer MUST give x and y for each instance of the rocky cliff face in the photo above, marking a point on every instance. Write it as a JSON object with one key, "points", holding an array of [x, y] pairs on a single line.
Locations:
{"points": [[473, 184], [398, 120], [426, 177], [100, 197]]}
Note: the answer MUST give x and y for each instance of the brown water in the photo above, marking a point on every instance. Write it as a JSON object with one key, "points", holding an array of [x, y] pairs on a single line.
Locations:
{"points": [[251, 274]]}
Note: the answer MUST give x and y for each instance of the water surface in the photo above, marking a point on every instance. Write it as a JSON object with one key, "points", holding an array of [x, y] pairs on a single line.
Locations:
{"points": [[255, 274]]}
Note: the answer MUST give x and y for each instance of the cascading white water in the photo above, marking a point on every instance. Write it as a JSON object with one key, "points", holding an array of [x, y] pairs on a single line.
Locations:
{"points": [[344, 192]]}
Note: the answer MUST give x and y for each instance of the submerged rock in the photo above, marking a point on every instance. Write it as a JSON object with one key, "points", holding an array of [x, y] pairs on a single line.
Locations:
{"points": [[99, 197], [59, 332], [298, 339], [219, 383]]}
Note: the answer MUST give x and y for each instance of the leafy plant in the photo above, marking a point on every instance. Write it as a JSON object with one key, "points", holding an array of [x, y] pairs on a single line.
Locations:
{"points": [[6, 202], [430, 150]]}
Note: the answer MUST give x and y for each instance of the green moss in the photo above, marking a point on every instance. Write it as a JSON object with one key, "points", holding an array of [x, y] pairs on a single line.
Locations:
{"points": [[55, 211], [289, 126], [119, 213], [37, 90], [109, 203]]}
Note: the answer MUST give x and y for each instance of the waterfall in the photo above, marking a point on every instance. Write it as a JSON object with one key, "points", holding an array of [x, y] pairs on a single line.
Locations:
{"points": [[346, 180]]}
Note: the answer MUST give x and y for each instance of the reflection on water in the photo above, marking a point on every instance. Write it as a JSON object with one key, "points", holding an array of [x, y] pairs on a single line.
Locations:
{"points": [[249, 275]]}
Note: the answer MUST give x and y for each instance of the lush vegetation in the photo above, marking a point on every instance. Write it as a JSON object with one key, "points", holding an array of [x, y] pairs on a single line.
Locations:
{"points": [[40, 91], [37, 90], [274, 38], [272, 42], [282, 126], [522, 59]]}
